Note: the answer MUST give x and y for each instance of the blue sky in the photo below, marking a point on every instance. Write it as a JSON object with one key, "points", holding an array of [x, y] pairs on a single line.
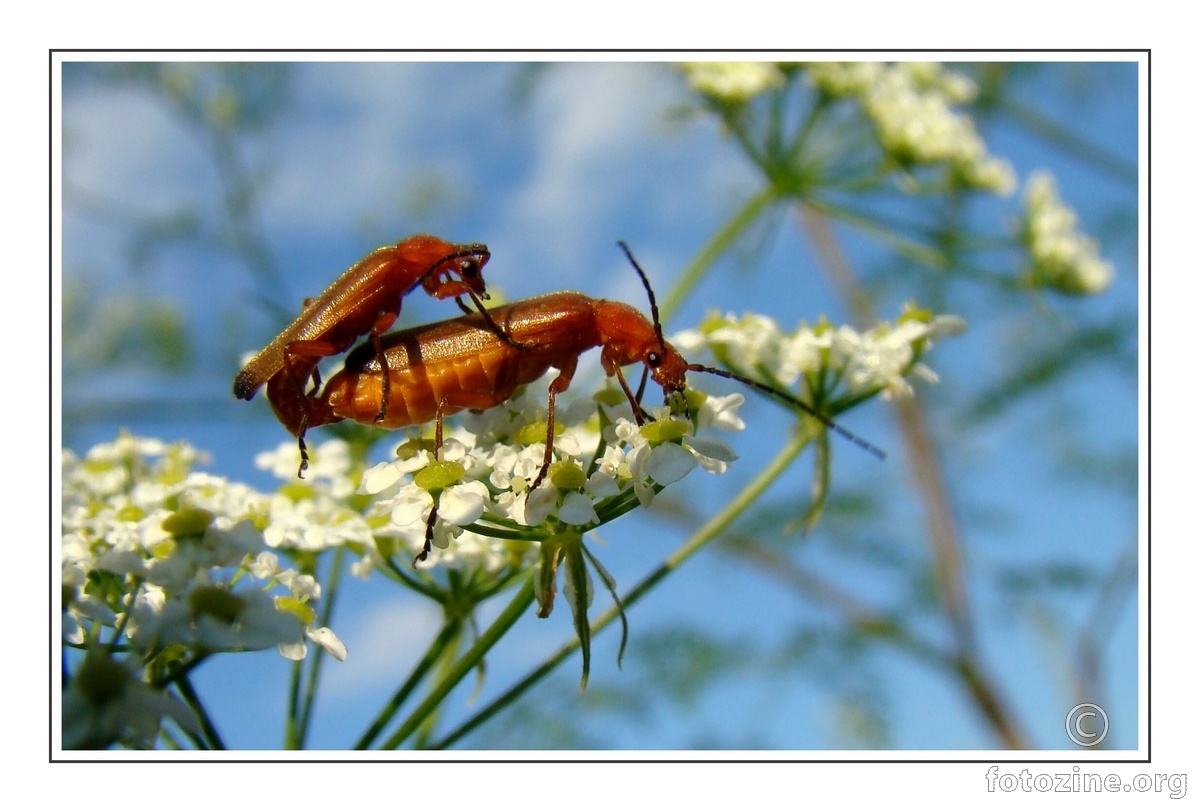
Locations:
{"points": [[550, 167]]}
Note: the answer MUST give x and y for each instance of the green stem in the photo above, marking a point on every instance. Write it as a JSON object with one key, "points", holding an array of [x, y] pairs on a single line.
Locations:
{"points": [[713, 528], [515, 609], [300, 734], [870, 225], [450, 631], [720, 243], [212, 739]]}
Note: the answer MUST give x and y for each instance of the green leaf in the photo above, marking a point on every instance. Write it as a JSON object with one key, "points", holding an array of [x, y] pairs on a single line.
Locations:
{"points": [[577, 589], [610, 584]]}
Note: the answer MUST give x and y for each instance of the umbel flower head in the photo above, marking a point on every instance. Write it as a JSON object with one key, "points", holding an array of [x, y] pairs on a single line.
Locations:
{"points": [[163, 566], [1061, 258], [911, 106], [167, 566], [488, 514], [151, 546], [841, 366], [732, 82]]}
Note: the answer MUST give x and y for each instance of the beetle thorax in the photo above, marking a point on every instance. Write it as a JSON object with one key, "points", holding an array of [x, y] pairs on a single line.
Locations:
{"points": [[626, 334]]}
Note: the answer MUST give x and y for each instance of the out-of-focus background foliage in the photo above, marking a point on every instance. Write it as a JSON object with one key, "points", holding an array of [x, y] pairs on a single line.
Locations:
{"points": [[203, 202]]}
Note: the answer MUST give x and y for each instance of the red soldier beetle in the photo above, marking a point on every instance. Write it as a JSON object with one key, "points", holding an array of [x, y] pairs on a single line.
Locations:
{"points": [[365, 299], [467, 363]]}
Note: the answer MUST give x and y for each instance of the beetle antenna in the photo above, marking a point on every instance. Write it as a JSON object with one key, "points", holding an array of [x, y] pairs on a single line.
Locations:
{"points": [[792, 400], [649, 291]]}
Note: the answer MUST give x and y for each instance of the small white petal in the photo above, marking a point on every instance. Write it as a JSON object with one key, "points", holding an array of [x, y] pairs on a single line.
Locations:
{"points": [[669, 463], [721, 412], [265, 566], [577, 509], [379, 478], [539, 505], [713, 454], [294, 651], [326, 639], [453, 451], [302, 585], [637, 458], [629, 433], [711, 447], [461, 505], [569, 444], [690, 342], [410, 507], [443, 534], [601, 485]]}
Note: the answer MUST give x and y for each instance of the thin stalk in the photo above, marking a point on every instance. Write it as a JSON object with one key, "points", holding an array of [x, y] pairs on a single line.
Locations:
{"points": [[515, 609], [450, 631], [719, 244], [300, 735], [870, 224], [212, 739]]}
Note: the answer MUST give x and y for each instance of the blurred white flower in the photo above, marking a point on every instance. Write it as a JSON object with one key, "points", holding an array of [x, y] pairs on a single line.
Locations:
{"points": [[153, 550], [860, 363], [910, 104], [732, 82], [106, 703], [1062, 258]]}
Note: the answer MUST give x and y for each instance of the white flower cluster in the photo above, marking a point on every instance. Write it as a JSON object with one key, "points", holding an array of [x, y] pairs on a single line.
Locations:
{"points": [[488, 464], [860, 363], [910, 104], [1063, 259], [313, 514], [732, 82], [158, 560]]}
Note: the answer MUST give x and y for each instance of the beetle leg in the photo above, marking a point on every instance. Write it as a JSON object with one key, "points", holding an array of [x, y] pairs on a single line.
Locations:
{"points": [[639, 414], [383, 364], [303, 446], [428, 548], [382, 324], [311, 352], [437, 456], [491, 323], [557, 386], [296, 410], [305, 411]]}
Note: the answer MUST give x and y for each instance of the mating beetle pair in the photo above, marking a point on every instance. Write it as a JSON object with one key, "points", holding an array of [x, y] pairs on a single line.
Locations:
{"points": [[476, 361]]}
